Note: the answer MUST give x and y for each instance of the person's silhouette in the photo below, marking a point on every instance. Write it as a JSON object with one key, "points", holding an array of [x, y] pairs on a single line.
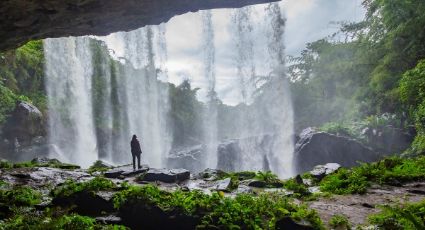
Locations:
{"points": [[136, 151]]}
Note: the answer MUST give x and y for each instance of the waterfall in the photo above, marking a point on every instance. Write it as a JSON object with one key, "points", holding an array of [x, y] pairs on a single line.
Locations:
{"points": [[68, 83], [97, 103], [210, 116]]}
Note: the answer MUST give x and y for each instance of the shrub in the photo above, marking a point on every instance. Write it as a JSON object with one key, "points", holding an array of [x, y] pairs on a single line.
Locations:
{"points": [[300, 190], [409, 216], [70, 187], [20, 196], [337, 129], [244, 211], [340, 222]]}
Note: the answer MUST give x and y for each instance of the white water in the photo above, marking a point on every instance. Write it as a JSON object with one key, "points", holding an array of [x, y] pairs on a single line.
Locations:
{"points": [[210, 113], [68, 84], [141, 101]]}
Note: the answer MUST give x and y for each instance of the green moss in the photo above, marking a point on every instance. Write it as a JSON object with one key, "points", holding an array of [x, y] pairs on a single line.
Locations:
{"points": [[53, 163], [409, 216], [71, 187], [4, 164], [98, 166], [340, 222]]}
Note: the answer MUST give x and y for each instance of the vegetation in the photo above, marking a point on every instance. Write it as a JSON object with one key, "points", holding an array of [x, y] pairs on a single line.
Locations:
{"points": [[393, 170], [408, 216], [244, 211], [339, 222], [51, 163], [20, 196], [47, 222], [71, 187]]}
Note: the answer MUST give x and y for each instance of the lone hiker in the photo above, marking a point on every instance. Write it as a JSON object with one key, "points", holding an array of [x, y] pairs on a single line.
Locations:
{"points": [[136, 151]]}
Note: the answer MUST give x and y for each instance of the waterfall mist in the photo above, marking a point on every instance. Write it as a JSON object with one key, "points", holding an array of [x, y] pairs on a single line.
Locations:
{"points": [[106, 95], [68, 84]]}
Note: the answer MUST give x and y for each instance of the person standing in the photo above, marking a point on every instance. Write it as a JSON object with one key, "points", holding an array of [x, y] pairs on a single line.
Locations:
{"points": [[136, 151]]}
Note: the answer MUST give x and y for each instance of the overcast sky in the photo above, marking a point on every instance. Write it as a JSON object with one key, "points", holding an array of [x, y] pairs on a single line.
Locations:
{"points": [[307, 21]]}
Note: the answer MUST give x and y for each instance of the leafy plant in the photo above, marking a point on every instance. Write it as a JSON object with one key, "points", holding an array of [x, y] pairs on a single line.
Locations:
{"points": [[71, 187], [20, 196], [340, 222]]}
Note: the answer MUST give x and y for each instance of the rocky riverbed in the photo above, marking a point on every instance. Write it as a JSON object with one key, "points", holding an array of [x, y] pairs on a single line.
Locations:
{"points": [[99, 204]]}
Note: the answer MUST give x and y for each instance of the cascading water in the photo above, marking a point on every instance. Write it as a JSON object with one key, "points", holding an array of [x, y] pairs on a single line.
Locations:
{"points": [[96, 104], [68, 83], [210, 116]]}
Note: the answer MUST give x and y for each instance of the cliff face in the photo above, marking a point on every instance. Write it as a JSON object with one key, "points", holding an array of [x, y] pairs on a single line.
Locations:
{"points": [[24, 20]]}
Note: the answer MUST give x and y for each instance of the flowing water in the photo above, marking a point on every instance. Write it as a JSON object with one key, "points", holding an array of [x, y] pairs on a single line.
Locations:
{"points": [[98, 98]]}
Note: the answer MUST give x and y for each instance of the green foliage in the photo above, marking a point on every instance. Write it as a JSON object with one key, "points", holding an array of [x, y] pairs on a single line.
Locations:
{"points": [[267, 177], [98, 166], [392, 170], [22, 77], [71, 187], [46, 222], [52, 163], [4, 164], [300, 190], [339, 222], [244, 211], [337, 129], [20, 196], [408, 216]]}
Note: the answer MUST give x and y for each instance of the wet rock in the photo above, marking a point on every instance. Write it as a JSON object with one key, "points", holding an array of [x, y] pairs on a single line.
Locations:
{"points": [[25, 123], [109, 220], [189, 158], [222, 185], [289, 223], [320, 171], [210, 174], [388, 139], [52, 18], [87, 203], [257, 184], [45, 160], [243, 189], [299, 179], [167, 175], [125, 171], [316, 148]]}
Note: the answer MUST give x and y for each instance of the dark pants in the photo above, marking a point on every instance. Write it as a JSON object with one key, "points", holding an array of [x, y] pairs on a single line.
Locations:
{"points": [[134, 161]]}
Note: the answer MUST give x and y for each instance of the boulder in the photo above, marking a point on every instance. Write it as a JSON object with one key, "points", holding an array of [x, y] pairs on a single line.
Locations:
{"points": [[316, 148], [257, 184], [167, 175], [289, 223], [210, 174], [320, 171], [388, 139], [125, 171], [222, 185], [189, 158], [87, 203], [25, 123]]}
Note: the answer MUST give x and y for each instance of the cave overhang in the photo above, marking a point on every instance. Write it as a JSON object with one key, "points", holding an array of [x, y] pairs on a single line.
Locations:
{"points": [[25, 20]]}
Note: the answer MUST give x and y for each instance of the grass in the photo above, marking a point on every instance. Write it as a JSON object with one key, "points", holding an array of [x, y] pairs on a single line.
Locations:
{"points": [[52, 163], [98, 166]]}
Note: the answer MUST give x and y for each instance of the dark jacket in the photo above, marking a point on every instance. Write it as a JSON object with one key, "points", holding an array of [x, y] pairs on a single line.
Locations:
{"points": [[135, 147]]}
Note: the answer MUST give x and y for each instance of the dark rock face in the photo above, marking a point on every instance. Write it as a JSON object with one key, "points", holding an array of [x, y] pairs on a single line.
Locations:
{"points": [[316, 148], [167, 175], [388, 139], [125, 171], [25, 123], [189, 158], [289, 223], [228, 155], [24, 20]]}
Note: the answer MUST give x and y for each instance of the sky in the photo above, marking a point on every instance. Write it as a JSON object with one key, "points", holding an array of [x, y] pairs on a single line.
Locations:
{"points": [[307, 21]]}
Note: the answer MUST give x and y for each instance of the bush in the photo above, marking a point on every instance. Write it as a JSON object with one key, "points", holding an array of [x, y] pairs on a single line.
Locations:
{"points": [[338, 129], [340, 222], [392, 170], [244, 211], [300, 190], [408, 216], [70, 187], [20, 196]]}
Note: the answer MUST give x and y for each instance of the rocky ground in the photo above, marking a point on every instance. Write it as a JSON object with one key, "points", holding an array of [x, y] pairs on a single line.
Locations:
{"points": [[354, 206]]}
